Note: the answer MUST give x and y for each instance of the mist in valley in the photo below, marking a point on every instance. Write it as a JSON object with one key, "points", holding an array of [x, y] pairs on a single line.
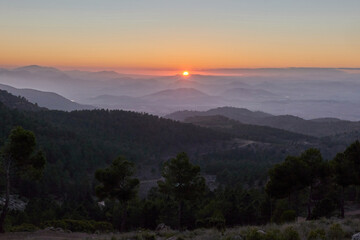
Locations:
{"points": [[304, 92]]}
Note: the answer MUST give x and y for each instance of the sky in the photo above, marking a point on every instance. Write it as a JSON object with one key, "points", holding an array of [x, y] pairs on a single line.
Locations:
{"points": [[180, 34]]}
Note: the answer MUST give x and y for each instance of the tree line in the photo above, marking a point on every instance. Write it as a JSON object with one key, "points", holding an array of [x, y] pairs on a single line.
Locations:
{"points": [[182, 199]]}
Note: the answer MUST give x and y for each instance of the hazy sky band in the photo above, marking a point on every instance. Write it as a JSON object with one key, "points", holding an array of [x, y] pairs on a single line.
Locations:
{"points": [[181, 34]]}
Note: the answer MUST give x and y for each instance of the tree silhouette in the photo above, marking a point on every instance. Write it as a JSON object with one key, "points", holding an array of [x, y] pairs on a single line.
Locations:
{"points": [[316, 171], [286, 178], [116, 183], [297, 173], [182, 181], [345, 167], [19, 158]]}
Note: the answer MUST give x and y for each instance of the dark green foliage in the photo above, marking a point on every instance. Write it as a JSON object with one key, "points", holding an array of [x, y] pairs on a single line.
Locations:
{"points": [[182, 181], [308, 171], [79, 142], [290, 233], [79, 225], [346, 167], [247, 165], [25, 227], [254, 234], [286, 177], [324, 208], [116, 183], [248, 131], [336, 232], [20, 152], [288, 216], [146, 236], [317, 234], [273, 234], [19, 159], [280, 208]]}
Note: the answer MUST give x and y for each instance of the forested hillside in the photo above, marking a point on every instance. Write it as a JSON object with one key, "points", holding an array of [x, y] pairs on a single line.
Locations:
{"points": [[19, 103], [248, 131], [79, 142]]}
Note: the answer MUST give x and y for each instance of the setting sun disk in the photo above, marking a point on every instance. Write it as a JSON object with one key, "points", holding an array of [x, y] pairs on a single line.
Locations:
{"points": [[186, 73]]}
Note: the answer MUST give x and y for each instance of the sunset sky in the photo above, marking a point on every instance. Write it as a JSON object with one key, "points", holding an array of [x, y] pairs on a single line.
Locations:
{"points": [[171, 34]]}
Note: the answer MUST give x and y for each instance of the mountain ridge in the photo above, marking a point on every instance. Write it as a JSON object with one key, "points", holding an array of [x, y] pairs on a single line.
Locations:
{"points": [[48, 100], [317, 128]]}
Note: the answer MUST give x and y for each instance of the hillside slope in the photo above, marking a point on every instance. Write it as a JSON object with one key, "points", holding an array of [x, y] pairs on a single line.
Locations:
{"points": [[49, 100], [19, 103], [317, 127], [77, 143], [247, 131]]}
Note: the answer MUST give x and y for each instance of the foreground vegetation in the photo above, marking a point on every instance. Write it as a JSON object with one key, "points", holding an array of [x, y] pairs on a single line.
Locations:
{"points": [[323, 229]]}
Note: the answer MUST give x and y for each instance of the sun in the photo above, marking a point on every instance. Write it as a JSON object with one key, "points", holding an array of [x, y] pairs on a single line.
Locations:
{"points": [[185, 73]]}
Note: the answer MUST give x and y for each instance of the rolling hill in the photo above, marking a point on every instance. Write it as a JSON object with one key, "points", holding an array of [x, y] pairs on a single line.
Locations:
{"points": [[249, 132], [182, 96], [316, 127], [240, 114]]}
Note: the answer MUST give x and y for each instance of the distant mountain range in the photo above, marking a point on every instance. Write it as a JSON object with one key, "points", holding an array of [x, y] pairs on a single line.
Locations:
{"points": [[304, 92], [48, 100], [160, 102], [317, 127]]}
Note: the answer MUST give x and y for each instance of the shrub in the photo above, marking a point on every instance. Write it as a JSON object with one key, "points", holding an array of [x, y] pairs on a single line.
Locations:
{"points": [[336, 232], [25, 227], [272, 234], [145, 236], [79, 225], [290, 234], [102, 226], [218, 223], [280, 208], [288, 216], [254, 234], [317, 234]]}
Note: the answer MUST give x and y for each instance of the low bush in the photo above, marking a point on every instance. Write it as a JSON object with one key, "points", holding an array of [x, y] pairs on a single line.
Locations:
{"points": [[290, 234], [145, 236], [254, 234], [79, 225], [272, 234], [317, 234], [25, 227], [336, 232]]}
